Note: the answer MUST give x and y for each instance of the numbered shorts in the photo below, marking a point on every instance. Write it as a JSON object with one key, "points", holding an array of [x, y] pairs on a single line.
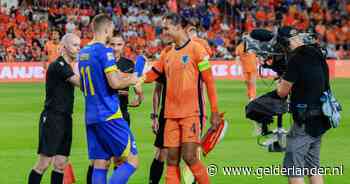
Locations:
{"points": [[110, 139], [181, 130]]}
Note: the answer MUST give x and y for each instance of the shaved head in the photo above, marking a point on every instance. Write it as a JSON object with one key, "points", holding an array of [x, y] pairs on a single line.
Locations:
{"points": [[103, 26], [68, 38], [70, 44], [100, 21]]}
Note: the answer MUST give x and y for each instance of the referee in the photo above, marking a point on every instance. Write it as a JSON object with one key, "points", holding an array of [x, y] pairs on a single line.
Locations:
{"points": [[125, 65], [55, 126]]}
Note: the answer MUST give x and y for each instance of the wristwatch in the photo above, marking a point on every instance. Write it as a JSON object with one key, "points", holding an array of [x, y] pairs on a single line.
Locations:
{"points": [[154, 116]]}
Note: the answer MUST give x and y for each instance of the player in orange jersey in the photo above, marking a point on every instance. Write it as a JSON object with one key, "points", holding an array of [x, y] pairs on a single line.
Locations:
{"points": [[52, 47], [184, 66], [190, 27], [248, 62]]}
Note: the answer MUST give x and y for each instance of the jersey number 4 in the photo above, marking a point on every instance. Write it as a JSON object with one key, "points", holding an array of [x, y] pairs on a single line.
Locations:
{"points": [[86, 74]]}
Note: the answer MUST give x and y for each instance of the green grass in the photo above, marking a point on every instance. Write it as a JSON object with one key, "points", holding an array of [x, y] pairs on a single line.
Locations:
{"points": [[21, 104]]}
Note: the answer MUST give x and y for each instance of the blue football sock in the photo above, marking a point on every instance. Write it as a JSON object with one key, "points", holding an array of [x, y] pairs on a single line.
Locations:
{"points": [[122, 173], [99, 176]]}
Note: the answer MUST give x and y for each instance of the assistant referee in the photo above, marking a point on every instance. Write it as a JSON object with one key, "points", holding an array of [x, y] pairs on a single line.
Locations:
{"points": [[55, 125]]}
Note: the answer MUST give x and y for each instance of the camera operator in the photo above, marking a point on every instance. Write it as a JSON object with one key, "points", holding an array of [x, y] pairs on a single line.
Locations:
{"points": [[305, 80]]}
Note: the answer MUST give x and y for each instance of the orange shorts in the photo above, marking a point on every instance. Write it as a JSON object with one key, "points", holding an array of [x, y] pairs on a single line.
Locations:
{"points": [[181, 130], [249, 75]]}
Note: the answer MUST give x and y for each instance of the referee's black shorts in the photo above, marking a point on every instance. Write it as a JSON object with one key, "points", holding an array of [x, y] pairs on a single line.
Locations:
{"points": [[55, 134], [159, 142]]}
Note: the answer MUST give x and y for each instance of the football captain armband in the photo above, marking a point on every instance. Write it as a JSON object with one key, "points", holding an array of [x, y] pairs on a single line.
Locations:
{"points": [[204, 64], [112, 68], [213, 137]]}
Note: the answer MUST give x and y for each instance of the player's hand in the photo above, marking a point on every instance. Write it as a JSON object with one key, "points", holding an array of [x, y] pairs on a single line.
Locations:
{"points": [[137, 101], [139, 83], [215, 120], [155, 125], [138, 88], [133, 80]]}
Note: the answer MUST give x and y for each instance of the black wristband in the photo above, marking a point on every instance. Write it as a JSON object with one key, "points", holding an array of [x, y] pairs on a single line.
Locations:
{"points": [[154, 116]]}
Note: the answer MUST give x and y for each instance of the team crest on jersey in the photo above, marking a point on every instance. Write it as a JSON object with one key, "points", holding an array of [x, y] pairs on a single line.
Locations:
{"points": [[83, 57], [110, 56], [185, 59]]}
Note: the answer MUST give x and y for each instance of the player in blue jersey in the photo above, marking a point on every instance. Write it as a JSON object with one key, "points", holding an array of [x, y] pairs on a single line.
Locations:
{"points": [[125, 65], [108, 134]]}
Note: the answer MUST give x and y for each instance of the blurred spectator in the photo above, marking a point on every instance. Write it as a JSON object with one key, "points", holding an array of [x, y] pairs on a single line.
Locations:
{"points": [[52, 46], [10, 54], [20, 56], [219, 21], [2, 53], [28, 53]]}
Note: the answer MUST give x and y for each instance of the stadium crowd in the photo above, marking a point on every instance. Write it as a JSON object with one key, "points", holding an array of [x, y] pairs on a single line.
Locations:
{"points": [[27, 33]]}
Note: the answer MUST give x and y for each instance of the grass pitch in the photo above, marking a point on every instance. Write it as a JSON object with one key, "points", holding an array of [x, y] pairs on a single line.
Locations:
{"points": [[21, 104]]}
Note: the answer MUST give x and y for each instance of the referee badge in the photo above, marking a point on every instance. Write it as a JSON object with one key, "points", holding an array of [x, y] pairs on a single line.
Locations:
{"points": [[185, 59]]}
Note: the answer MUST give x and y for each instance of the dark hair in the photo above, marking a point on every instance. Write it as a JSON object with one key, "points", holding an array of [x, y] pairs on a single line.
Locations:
{"points": [[100, 20], [174, 18], [56, 30], [177, 19], [117, 34]]}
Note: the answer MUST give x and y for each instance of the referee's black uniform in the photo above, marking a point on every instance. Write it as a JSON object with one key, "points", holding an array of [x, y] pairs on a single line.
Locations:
{"points": [[127, 66], [55, 126]]}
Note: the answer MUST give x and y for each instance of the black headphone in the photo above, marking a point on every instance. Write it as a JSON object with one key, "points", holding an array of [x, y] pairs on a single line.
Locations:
{"points": [[283, 35], [283, 40]]}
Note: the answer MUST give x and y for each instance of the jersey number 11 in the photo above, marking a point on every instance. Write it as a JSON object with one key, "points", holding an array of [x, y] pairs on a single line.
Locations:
{"points": [[85, 73]]}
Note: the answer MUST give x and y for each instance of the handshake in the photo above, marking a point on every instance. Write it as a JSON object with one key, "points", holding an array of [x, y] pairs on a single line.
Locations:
{"points": [[136, 81], [130, 79], [124, 80]]}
